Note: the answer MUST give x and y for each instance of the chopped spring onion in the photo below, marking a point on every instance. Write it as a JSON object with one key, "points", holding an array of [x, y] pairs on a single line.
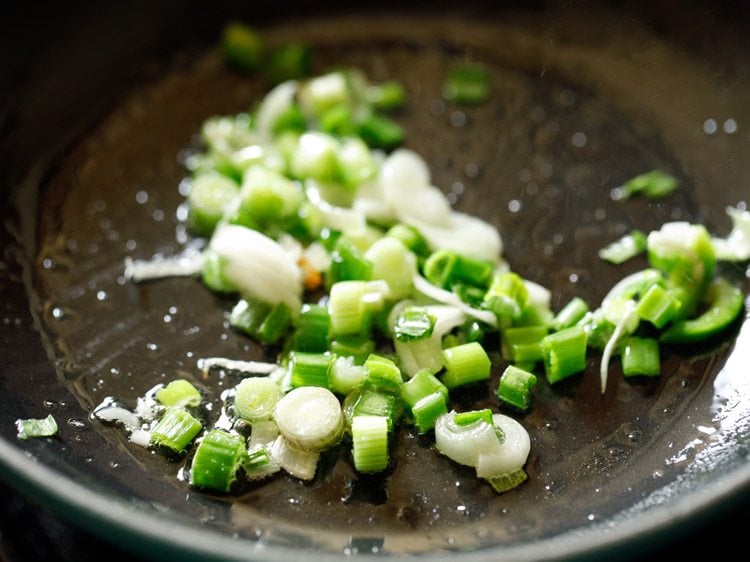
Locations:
{"points": [[506, 296], [446, 297], [312, 333], [242, 46], [348, 263], [564, 353], [654, 185], [736, 246], [508, 455], [725, 304], [33, 427], [267, 323], [310, 418], [472, 417], [179, 392], [413, 323], [427, 410], [344, 376], [395, 264], [309, 369], [175, 429], [351, 304], [216, 461], [465, 364], [658, 306], [209, 194], [422, 384], [383, 374], [290, 61], [624, 248], [370, 443], [609, 349], [464, 443], [300, 463], [446, 268], [523, 343], [640, 357], [258, 463], [258, 266], [467, 84], [386, 96], [358, 347], [255, 398], [372, 402], [570, 314], [515, 387]]}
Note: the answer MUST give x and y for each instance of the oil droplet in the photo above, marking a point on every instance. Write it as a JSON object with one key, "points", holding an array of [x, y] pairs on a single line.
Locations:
{"points": [[58, 313], [710, 126], [579, 139], [152, 346], [458, 119], [141, 197], [101, 296], [437, 106], [514, 205], [730, 126]]}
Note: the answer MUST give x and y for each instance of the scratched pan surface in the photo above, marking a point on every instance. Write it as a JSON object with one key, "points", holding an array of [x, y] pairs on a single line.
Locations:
{"points": [[583, 98]]}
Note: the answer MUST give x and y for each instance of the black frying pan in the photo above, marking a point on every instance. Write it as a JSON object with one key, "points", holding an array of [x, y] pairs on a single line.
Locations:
{"points": [[101, 99]]}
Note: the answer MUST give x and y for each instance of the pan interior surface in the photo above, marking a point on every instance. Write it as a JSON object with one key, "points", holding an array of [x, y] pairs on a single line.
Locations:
{"points": [[570, 118]]}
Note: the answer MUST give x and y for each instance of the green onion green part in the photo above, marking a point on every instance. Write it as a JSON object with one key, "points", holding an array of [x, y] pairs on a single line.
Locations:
{"points": [[640, 357], [465, 364], [175, 429], [33, 427], [178, 393], [564, 353], [370, 443], [216, 461], [515, 387]]}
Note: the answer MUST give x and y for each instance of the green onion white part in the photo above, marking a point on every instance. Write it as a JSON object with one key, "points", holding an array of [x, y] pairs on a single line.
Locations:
{"points": [[205, 364], [310, 418], [736, 246]]}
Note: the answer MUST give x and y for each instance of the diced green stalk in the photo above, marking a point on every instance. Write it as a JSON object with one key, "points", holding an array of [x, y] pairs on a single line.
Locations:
{"points": [[393, 263], [179, 392], [640, 357], [315, 157], [288, 126], [506, 296], [515, 387], [312, 333], [654, 185], [623, 249], [615, 304], [421, 354], [386, 96], [374, 402], [309, 369], [465, 364], [255, 398], [344, 375], [725, 304], [598, 329], [260, 320], [422, 384], [570, 314], [291, 61], [355, 163], [527, 339], [658, 306], [175, 429], [508, 481], [358, 347], [257, 463], [216, 461], [348, 263], [338, 121], [351, 305], [268, 197], [410, 237], [33, 427], [427, 410], [242, 46], [446, 268], [473, 416], [209, 196], [383, 374], [370, 443], [212, 273], [323, 92], [379, 131], [467, 83], [685, 253], [564, 353], [413, 323], [310, 417]]}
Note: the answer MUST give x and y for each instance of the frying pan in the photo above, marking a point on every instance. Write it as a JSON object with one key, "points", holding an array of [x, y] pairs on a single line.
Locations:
{"points": [[99, 101]]}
